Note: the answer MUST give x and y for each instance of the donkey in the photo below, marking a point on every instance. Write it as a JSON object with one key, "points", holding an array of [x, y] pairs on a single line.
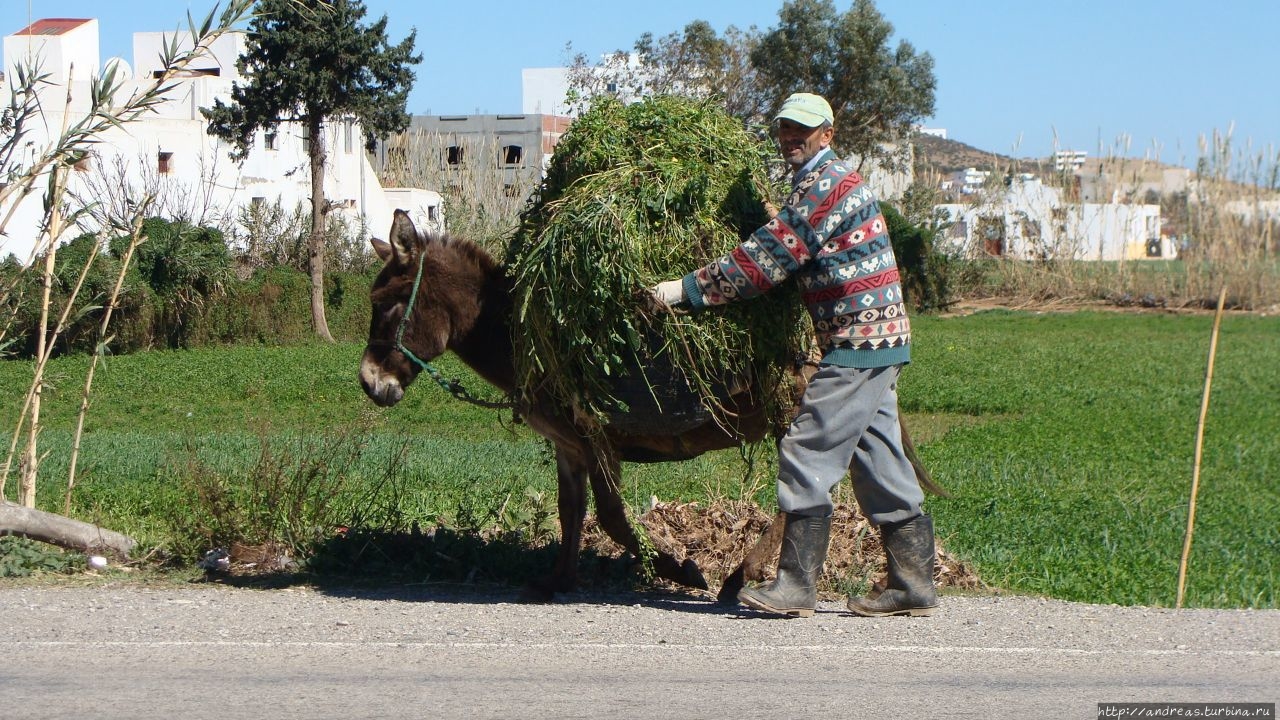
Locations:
{"points": [[437, 293]]}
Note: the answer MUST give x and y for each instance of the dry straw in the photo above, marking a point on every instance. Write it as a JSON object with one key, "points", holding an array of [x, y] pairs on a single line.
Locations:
{"points": [[1195, 473], [636, 195]]}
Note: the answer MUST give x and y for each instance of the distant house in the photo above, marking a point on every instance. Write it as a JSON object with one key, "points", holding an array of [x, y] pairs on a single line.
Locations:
{"points": [[1029, 220], [169, 150], [1069, 160]]}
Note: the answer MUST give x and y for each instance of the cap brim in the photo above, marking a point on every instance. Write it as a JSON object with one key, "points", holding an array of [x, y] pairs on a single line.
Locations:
{"points": [[803, 117]]}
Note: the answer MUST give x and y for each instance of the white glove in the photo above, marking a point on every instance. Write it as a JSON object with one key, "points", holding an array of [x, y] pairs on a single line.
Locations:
{"points": [[669, 293]]}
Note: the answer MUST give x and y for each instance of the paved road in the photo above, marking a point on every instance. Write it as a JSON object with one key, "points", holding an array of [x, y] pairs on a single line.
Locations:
{"points": [[220, 652]]}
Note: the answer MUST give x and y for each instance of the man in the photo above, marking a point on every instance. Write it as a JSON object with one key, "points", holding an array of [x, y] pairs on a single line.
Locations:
{"points": [[831, 236]]}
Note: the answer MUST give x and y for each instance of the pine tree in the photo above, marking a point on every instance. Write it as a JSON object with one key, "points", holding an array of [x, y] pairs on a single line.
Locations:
{"points": [[313, 62]]}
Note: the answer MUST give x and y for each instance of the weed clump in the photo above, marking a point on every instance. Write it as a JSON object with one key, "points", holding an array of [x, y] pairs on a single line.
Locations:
{"points": [[635, 195]]}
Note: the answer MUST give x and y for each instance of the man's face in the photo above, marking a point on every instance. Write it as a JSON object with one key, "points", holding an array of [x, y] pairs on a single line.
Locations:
{"points": [[800, 143]]}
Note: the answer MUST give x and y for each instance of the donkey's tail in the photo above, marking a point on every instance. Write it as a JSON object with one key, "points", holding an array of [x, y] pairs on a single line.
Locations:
{"points": [[922, 475]]}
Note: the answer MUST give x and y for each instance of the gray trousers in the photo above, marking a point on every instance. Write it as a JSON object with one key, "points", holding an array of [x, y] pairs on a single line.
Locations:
{"points": [[848, 422]]}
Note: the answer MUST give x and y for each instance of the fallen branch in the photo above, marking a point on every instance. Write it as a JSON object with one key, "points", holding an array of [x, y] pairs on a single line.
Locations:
{"points": [[62, 531]]}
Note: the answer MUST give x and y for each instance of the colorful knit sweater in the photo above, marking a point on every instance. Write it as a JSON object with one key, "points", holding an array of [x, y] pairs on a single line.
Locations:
{"points": [[832, 237]]}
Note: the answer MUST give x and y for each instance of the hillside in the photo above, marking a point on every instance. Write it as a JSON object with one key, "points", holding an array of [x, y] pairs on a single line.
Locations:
{"points": [[943, 156]]}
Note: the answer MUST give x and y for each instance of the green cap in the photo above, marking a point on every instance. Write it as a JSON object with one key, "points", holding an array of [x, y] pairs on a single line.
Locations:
{"points": [[807, 109]]}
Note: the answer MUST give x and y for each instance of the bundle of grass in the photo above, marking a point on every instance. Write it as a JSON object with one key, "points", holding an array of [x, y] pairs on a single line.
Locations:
{"points": [[635, 195]]}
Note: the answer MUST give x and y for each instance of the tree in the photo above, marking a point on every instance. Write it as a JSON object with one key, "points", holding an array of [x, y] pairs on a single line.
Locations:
{"points": [[695, 62], [877, 94], [312, 62]]}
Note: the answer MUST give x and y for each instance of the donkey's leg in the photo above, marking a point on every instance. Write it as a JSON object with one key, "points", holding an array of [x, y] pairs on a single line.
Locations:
{"points": [[753, 563], [571, 501], [611, 513]]}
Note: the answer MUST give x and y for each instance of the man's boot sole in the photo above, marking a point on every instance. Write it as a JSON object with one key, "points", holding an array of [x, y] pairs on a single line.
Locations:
{"points": [[765, 607], [912, 612]]}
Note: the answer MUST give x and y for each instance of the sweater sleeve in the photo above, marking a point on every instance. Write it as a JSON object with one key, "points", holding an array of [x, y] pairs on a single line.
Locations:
{"points": [[772, 254]]}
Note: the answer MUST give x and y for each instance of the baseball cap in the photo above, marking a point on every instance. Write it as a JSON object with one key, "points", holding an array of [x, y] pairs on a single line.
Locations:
{"points": [[807, 109]]}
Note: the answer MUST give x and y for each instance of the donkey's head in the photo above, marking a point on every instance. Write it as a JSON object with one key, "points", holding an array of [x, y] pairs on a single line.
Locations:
{"points": [[411, 322]]}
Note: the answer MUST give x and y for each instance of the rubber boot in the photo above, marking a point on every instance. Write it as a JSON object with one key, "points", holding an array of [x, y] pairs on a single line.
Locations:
{"points": [[795, 591], [908, 550]]}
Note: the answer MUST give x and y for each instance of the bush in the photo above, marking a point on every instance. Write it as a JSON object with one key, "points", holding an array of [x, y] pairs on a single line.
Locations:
{"points": [[926, 272], [131, 320], [185, 266], [274, 306], [179, 292]]}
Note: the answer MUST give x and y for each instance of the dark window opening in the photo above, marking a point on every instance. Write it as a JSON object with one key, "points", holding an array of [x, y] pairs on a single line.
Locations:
{"points": [[453, 155], [164, 162], [512, 154]]}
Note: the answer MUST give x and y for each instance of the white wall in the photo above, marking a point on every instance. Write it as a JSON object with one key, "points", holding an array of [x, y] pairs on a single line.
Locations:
{"points": [[543, 91], [201, 177], [1038, 224]]}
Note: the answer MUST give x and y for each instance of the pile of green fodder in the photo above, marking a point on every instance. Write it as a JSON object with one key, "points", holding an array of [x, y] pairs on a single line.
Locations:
{"points": [[638, 194]]}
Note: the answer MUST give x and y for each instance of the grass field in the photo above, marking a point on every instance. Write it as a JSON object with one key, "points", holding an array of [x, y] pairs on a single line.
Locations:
{"points": [[1066, 439]]}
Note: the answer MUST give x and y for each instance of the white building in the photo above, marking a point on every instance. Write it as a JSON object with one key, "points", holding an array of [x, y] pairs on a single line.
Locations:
{"points": [[169, 149], [1069, 160], [1030, 221]]}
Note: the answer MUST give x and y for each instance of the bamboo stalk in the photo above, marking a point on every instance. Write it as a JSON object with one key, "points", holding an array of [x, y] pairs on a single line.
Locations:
{"points": [[99, 349], [1195, 473]]}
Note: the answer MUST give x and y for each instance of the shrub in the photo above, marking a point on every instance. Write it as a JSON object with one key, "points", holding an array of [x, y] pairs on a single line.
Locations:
{"points": [[926, 272], [185, 267]]}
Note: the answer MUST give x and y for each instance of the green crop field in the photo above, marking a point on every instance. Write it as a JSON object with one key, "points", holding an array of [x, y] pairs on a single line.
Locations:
{"points": [[1067, 441]]}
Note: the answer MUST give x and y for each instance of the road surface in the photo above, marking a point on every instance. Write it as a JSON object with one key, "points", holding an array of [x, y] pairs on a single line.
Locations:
{"points": [[211, 651]]}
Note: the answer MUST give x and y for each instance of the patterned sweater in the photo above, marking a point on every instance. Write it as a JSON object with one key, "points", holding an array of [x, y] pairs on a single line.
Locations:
{"points": [[832, 237]]}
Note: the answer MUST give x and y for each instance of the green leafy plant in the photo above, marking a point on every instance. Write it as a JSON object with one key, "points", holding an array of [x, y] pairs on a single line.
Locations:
{"points": [[635, 195], [20, 558]]}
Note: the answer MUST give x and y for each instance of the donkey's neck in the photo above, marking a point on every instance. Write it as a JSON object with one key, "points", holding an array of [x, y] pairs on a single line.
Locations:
{"points": [[484, 339]]}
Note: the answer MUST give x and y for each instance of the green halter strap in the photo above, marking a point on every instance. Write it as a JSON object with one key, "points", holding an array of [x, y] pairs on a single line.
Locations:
{"points": [[453, 387]]}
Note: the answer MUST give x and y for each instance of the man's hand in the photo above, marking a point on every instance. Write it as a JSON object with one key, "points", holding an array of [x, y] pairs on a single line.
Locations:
{"points": [[667, 295], [770, 210]]}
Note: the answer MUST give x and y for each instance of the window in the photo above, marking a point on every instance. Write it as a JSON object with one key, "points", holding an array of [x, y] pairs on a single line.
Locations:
{"points": [[433, 213], [256, 203], [512, 155], [346, 137], [164, 162], [453, 155], [611, 88], [270, 140]]}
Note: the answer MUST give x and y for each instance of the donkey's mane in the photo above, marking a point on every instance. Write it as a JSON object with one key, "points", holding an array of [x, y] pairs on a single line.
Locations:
{"points": [[465, 249]]}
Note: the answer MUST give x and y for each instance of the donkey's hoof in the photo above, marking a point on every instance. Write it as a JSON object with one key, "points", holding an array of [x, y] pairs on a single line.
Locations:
{"points": [[728, 595], [542, 590], [691, 575]]}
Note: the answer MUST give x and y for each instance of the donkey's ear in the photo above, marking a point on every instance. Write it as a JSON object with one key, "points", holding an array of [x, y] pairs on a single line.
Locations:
{"points": [[404, 237], [382, 248]]}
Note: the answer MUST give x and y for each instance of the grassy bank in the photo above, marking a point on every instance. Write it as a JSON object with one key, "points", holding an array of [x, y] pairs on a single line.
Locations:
{"points": [[1066, 439]]}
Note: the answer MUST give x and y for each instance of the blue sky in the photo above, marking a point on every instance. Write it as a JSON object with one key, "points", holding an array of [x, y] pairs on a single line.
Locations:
{"points": [[1020, 77]]}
